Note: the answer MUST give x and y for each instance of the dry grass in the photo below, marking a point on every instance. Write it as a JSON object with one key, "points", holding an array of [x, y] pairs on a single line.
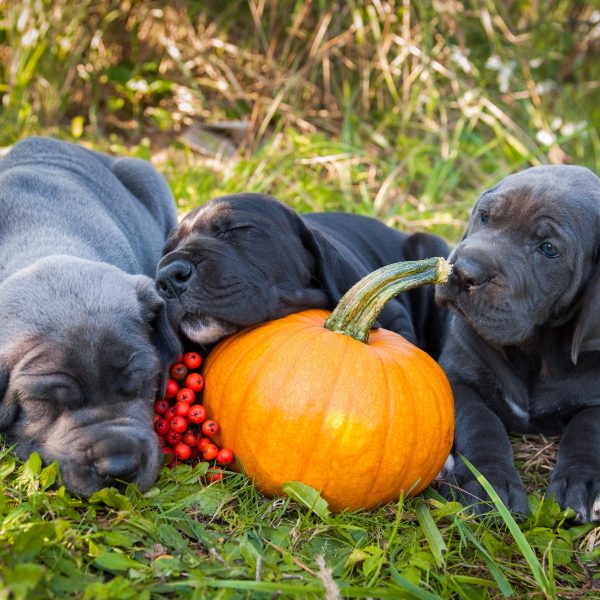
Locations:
{"points": [[405, 110]]}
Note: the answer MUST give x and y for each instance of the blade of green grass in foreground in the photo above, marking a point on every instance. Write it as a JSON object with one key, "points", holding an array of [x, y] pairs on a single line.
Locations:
{"points": [[497, 574], [432, 534], [414, 590], [467, 534], [526, 550]]}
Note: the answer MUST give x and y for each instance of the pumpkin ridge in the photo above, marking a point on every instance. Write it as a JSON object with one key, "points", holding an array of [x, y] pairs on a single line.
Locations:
{"points": [[386, 429], [333, 384], [440, 439], [425, 371], [257, 367]]}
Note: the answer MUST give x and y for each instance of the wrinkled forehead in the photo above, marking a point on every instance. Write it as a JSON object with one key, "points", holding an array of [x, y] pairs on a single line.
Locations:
{"points": [[230, 211], [560, 197], [50, 294], [96, 355]]}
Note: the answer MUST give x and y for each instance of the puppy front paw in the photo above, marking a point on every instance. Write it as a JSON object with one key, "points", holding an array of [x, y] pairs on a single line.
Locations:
{"points": [[577, 487], [461, 485]]}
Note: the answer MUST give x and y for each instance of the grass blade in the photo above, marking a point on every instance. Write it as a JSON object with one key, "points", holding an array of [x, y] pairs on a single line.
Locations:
{"points": [[432, 534], [497, 574], [526, 550], [409, 586]]}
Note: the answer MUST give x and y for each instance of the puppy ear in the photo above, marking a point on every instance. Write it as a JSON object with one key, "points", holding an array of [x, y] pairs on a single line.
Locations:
{"points": [[587, 330], [164, 336], [149, 187], [334, 272], [337, 271], [7, 411]]}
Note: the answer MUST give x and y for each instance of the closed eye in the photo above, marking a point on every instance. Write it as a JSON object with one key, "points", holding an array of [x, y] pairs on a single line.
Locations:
{"points": [[229, 230]]}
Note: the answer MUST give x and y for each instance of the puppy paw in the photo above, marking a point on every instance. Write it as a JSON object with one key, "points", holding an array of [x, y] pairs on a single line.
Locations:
{"points": [[577, 487], [462, 486]]}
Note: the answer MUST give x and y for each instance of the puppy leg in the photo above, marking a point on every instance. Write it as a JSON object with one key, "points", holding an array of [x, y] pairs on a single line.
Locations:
{"points": [[481, 437], [576, 480]]}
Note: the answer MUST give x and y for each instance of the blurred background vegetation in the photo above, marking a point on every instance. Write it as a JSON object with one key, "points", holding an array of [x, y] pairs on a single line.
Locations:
{"points": [[403, 110]]}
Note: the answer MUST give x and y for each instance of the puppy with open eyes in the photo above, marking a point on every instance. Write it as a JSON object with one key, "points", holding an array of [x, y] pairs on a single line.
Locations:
{"points": [[247, 258], [523, 347]]}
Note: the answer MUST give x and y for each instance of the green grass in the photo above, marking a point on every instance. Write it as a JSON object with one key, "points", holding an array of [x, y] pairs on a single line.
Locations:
{"points": [[186, 538], [392, 109]]}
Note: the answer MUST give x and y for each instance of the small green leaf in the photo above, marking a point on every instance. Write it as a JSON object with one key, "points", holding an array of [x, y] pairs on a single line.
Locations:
{"points": [[172, 538], [22, 580], [111, 498], [33, 466], [308, 496], [49, 475], [117, 538], [113, 561]]}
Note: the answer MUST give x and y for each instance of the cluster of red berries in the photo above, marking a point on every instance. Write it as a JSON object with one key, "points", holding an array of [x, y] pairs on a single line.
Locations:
{"points": [[184, 430]]}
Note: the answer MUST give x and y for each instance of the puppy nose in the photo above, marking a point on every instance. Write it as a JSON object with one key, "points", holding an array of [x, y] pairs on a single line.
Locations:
{"points": [[174, 278], [123, 467], [470, 272]]}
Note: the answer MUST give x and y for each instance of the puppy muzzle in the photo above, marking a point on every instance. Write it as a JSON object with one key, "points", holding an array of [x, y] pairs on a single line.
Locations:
{"points": [[174, 279]]}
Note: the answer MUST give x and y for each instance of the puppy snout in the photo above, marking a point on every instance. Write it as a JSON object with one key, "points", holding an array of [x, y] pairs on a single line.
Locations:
{"points": [[117, 458], [174, 278], [471, 272], [122, 467]]}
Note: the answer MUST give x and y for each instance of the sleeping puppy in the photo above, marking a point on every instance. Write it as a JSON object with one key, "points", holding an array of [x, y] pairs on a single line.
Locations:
{"points": [[244, 259], [83, 333], [523, 348]]}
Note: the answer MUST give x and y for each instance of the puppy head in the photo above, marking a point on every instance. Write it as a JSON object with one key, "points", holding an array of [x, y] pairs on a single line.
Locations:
{"points": [[236, 261], [82, 347], [529, 251]]}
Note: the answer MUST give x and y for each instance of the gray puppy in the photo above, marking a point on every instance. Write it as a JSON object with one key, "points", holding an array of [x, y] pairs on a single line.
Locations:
{"points": [[244, 259], [83, 334], [522, 353]]}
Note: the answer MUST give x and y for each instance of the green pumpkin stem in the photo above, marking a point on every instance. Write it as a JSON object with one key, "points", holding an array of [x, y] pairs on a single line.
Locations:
{"points": [[361, 304]]}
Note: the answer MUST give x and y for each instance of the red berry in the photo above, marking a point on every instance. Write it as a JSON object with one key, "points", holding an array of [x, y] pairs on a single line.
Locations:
{"points": [[197, 414], [171, 389], [186, 395], [160, 407], [182, 451], [173, 438], [215, 474], [203, 442], [162, 426], [194, 381], [190, 438], [180, 357], [162, 441], [178, 424], [194, 454], [209, 428], [211, 451], [155, 418], [192, 360], [170, 413], [182, 409], [225, 456], [178, 371]]}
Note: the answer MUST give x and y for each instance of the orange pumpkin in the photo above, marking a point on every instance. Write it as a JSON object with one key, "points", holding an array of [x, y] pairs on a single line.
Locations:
{"points": [[301, 398]]}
